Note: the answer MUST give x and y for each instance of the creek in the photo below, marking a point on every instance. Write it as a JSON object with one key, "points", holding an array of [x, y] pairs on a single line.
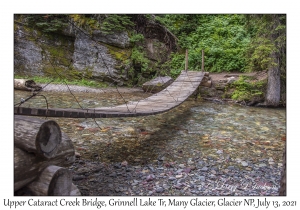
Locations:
{"points": [[250, 136]]}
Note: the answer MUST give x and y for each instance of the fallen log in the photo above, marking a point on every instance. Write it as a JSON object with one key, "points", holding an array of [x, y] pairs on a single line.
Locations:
{"points": [[23, 172], [29, 159], [29, 85], [53, 180]]}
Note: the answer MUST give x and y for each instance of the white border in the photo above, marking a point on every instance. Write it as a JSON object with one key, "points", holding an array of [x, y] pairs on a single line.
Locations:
{"points": [[8, 8]]}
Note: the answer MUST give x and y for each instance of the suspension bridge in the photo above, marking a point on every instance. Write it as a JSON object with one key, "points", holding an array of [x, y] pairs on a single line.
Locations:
{"points": [[172, 96]]}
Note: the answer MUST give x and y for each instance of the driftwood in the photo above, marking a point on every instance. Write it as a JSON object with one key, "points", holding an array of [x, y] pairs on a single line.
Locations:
{"points": [[53, 180], [48, 146], [29, 85]]}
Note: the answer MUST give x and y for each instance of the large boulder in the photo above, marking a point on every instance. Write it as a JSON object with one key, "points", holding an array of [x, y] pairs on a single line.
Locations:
{"points": [[157, 84], [206, 82]]}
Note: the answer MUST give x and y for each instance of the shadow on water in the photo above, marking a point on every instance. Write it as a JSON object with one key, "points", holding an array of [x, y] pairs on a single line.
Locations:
{"points": [[149, 146], [147, 141], [143, 145]]}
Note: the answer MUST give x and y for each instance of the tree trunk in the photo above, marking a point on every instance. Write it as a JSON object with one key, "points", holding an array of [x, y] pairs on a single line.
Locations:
{"points": [[53, 180], [273, 87]]}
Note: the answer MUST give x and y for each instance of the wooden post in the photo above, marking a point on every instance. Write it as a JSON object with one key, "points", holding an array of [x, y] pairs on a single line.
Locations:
{"points": [[186, 60], [202, 67]]}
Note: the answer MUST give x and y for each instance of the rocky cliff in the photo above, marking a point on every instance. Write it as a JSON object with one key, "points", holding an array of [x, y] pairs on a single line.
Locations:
{"points": [[83, 49]]}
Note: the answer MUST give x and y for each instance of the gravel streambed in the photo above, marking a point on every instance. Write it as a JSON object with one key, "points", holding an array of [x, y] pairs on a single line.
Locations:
{"points": [[198, 148]]}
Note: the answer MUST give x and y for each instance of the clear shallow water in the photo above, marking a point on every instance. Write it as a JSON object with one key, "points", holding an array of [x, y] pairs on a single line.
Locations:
{"points": [[193, 130]]}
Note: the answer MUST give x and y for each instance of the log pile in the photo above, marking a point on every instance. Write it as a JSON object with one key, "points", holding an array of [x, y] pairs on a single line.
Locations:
{"points": [[41, 151]]}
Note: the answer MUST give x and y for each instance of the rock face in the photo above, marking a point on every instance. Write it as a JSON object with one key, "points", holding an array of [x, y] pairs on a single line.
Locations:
{"points": [[117, 39], [82, 52], [88, 55], [27, 55], [157, 84], [155, 50]]}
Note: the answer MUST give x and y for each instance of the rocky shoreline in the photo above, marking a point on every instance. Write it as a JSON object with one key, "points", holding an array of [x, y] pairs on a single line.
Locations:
{"points": [[212, 87], [198, 177], [77, 88]]}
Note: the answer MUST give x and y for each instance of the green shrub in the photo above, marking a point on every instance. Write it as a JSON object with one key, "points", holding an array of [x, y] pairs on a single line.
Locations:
{"points": [[245, 89], [135, 38], [223, 38], [47, 23], [139, 59]]}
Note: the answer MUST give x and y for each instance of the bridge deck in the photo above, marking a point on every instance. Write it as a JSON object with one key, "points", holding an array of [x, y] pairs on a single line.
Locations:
{"points": [[169, 98]]}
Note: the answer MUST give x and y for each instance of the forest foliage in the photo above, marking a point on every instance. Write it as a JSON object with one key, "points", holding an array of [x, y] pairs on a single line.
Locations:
{"points": [[223, 38]]}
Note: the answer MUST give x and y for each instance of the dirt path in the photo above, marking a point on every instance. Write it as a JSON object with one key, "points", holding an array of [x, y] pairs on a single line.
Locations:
{"points": [[219, 76], [215, 77], [76, 88]]}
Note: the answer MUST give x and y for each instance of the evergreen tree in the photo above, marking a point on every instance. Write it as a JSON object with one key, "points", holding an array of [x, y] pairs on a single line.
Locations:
{"points": [[268, 51]]}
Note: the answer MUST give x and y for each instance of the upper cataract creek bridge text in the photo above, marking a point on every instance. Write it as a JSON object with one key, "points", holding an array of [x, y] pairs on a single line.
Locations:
{"points": [[172, 96]]}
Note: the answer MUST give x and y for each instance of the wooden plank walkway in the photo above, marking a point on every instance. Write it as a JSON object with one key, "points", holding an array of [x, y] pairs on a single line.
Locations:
{"points": [[169, 98]]}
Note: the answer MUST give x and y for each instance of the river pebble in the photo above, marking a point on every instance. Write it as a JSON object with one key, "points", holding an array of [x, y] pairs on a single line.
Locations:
{"points": [[244, 163], [159, 180]]}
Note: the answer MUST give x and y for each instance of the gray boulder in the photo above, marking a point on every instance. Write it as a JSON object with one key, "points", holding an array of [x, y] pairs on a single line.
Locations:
{"points": [[157, 84]]}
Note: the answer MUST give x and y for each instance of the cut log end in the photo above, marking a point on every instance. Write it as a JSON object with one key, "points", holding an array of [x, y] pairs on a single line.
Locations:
{"points": [[61, 184], [48, 137]]}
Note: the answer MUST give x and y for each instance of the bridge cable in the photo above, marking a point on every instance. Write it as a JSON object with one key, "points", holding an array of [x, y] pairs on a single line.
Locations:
{"points": [[101, 58]]}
